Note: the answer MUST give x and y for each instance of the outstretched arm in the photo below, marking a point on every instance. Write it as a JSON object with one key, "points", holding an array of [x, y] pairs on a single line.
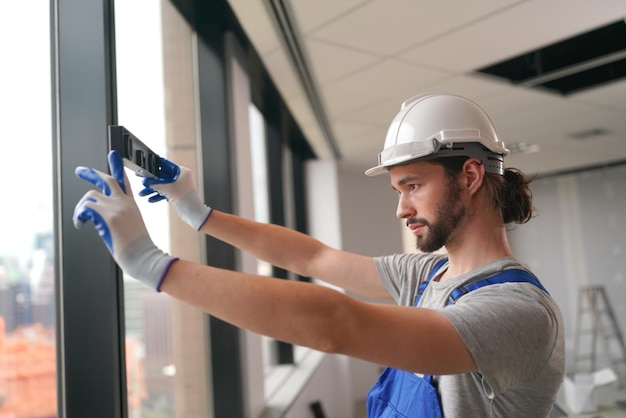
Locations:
{"points": [[280, 246], [415, 339], [297, 252]]}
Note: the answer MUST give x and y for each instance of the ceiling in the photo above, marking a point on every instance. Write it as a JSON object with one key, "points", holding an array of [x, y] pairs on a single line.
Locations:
{"points": [[365, 57]]}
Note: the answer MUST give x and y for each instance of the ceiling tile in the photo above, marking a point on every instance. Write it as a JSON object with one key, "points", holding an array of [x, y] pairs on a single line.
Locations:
{"points": [[514, 31], [612, 95], [384, 80], [330, 62], [313, 14], [389, 26], [380, 113], [471, 86]]}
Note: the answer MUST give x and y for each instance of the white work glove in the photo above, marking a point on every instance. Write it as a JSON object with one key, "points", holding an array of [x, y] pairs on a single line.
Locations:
{"points": [[176, 185], [116, 217]]}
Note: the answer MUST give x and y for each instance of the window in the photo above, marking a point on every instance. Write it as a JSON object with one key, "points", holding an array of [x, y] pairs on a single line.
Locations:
{"points": [[166, 355], [261, 197], [166, 362], [27, 292], [140, 110], [268, 188], [258, 154]]}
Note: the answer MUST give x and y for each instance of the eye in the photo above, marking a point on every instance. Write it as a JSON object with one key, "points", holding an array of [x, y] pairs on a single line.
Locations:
{"points": [[405, 186]]}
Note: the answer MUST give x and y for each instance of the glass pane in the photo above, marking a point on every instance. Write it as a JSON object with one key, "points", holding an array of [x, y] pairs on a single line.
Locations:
{"points": [[260, 187], [260, 177], [27, 309], [167, 362], [141, 111]]}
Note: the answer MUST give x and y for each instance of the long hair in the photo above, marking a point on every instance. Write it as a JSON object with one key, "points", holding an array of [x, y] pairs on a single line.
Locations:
{"points": [[510, 194]]}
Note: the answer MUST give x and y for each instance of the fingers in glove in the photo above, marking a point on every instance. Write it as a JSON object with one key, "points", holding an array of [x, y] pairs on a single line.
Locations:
{"points": [[169, 173], [80, 215], [116, 165], [84, 212], [156, 196], [104, 182], [95, 177]]}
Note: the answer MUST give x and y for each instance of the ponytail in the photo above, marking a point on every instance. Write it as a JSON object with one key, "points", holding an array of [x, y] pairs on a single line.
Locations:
{"points": [[511, 194]]}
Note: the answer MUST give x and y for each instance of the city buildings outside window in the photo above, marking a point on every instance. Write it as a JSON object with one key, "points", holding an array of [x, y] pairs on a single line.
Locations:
{"points": [[27, 298]]}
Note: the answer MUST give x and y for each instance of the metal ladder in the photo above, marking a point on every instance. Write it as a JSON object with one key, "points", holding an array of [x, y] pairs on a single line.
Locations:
{"points": [[596, 320]]}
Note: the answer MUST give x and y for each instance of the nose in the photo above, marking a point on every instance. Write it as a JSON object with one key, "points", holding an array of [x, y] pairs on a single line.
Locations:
{"points": [[404, 209]]}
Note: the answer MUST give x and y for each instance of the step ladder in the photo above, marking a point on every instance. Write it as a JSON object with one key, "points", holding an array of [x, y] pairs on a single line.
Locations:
{"points": [[597, 325]]}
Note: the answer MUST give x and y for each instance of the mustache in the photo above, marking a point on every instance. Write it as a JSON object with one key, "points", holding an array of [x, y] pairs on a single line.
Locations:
{"points": [[420, 221]]}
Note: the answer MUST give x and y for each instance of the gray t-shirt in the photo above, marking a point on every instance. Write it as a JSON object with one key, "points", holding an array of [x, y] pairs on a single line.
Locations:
{"points": [[514, 332]]}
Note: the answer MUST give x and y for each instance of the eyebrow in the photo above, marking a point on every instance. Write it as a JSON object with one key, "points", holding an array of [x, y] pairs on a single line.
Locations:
{"points": [[406, 180]]}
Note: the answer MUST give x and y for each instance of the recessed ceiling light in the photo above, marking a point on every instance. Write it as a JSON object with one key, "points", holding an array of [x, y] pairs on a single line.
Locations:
{"points": [[523, 148]]}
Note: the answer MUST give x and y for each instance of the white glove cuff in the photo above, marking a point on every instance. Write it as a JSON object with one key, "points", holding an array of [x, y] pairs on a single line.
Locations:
{"points": [[142, 260], [192, 209]]}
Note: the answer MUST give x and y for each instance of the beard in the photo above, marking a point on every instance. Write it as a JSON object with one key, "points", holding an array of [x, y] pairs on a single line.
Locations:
{"points": [[448, 216]]}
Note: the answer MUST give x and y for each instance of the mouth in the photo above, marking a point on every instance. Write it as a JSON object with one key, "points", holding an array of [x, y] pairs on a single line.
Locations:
{"points": [[415, 227]]}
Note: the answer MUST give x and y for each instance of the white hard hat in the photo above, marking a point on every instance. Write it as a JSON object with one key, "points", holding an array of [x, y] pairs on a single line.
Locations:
{"points": [[436, 125]]}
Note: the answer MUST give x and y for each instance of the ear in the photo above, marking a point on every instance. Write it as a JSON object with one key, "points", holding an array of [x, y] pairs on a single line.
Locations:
{"points": [[473, 174]]}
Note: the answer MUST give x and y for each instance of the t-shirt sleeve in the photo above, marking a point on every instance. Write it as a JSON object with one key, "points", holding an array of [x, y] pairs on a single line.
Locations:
{"points": [[390, 269], [402, 273], [510, 329]]}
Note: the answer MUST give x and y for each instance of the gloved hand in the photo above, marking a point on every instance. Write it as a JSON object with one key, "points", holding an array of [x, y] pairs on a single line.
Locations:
{"points": [[176, 185], [116, 217]]}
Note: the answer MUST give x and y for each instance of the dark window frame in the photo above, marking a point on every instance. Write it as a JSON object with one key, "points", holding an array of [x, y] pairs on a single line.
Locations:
{"points": [[90, 324]]}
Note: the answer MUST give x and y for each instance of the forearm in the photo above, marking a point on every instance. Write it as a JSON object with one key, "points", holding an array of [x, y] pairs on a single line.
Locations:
{"points": [[280, 246], [295, 312]]}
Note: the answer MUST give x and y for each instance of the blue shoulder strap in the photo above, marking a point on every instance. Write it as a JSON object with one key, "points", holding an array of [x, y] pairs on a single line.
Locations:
{"points": [[507, 276], [422, 286]]}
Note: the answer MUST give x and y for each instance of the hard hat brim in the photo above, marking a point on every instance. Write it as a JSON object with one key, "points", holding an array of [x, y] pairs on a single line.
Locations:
{"points": [[384, 168], [375, 171]]}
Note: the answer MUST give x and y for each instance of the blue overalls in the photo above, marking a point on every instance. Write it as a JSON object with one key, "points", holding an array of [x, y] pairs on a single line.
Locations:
{"points": [[402, 394]]}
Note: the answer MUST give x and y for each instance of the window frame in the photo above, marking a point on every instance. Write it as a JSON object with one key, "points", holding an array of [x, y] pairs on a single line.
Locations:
{"points": [[90, 364]]}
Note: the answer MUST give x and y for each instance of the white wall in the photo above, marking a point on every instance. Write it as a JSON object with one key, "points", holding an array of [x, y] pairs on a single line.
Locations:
{"points": [[578, 239], [368, 213]]}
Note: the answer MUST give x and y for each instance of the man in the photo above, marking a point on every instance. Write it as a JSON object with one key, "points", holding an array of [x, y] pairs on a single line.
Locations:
{"points": [[456, 345]]}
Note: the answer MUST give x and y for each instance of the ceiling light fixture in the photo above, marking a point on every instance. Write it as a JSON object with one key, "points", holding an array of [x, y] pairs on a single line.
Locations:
{"points": [[523, 148]]}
